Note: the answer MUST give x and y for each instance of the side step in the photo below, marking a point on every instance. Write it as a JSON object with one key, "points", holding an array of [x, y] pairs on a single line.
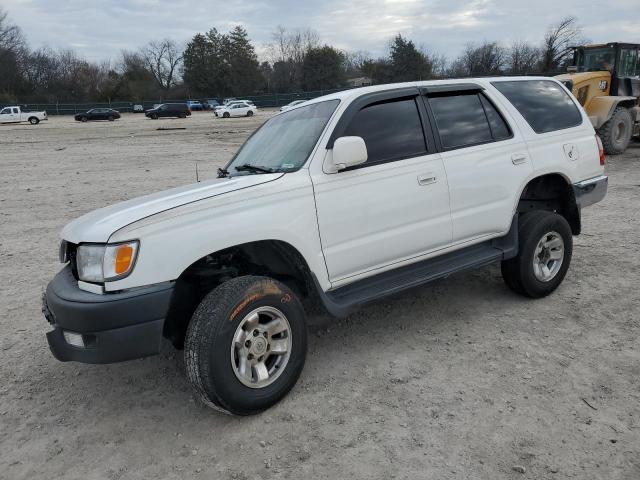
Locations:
{"points": [[344, 300]]}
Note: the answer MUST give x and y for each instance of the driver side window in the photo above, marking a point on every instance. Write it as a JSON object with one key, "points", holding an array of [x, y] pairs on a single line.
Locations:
{"points": [[5, 111]]}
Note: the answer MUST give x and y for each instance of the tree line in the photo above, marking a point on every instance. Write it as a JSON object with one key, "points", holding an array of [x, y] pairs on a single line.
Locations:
{"points": [[216, 64]]}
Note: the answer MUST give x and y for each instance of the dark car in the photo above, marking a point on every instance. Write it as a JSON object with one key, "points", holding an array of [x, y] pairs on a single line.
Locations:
{"points": [[98, 114], [210, 103], [180, 110]]}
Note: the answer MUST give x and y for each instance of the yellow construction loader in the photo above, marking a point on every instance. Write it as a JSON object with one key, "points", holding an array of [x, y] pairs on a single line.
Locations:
{"points": [[605, 79]]}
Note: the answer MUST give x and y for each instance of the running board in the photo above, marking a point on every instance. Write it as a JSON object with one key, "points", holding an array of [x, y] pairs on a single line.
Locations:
{"points": [[342, 301]]}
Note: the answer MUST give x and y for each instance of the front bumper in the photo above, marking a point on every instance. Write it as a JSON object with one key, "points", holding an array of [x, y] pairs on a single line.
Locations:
{"points": [[114, 326], [590, 191]]}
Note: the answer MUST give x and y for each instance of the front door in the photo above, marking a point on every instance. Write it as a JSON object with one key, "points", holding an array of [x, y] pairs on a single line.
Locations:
{"points": [[9, 115], [392, 208]]}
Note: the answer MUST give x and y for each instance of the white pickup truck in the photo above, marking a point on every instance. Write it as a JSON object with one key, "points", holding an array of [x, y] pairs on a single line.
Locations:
{"points": [[16, 115], [334, 203]]}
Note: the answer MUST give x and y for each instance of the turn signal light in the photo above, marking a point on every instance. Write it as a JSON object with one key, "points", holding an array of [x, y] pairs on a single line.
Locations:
{"points": [[124, 258]]}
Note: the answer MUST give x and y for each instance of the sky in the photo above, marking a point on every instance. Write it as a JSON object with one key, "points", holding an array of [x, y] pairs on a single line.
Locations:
{"points": [[100, 29]]}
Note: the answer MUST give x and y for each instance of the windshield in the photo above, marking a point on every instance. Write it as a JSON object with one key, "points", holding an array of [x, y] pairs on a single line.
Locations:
{"points": [[595, 59], [284, 142]]}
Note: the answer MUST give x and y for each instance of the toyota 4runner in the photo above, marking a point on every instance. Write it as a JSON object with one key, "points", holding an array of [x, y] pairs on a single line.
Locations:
{"points": [[334, 203]]}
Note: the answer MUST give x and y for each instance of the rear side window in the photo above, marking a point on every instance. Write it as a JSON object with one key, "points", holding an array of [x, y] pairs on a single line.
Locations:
{"points": [[467, 119], [391, 130], [543, 104]]}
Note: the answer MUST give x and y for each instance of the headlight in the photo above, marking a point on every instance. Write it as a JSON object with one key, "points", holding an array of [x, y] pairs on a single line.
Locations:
{"points": [[99, 263]]}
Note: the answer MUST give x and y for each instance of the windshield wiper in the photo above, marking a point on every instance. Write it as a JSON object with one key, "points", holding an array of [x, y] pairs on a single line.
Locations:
{"points": [[253, 168]]}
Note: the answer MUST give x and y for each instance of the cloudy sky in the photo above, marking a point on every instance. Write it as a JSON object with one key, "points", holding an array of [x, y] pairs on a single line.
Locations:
{"points": [[99, 29]]}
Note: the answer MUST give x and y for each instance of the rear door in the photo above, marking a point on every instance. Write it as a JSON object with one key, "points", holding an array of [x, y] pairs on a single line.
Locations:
{"points": [[558, 132], [485, 157], [394, 207]]}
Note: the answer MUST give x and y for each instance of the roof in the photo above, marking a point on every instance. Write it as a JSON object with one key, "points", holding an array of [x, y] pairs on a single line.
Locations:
{"points": [[356, 92]]}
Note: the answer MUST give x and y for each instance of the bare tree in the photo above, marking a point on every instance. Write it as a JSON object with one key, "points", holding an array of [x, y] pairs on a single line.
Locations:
{"points": [[162, 59], [558, 41], [488, 58], [523, 58], [11, 37]]}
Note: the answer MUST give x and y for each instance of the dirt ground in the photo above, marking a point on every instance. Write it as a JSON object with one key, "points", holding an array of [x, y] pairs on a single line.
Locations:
{"points": [[460, 379]]}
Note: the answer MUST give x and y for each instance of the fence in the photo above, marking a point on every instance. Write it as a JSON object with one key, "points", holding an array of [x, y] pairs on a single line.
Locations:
{"points": [[267, 100]]}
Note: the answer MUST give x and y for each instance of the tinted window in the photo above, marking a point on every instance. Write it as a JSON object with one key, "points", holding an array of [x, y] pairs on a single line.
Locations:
{"points": [[391, 130], [461, 120], [543, 104], [499, 127]]}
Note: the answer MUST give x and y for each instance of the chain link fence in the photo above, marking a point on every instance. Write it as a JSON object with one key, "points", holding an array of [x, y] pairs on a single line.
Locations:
{"points": [[264, 101]]}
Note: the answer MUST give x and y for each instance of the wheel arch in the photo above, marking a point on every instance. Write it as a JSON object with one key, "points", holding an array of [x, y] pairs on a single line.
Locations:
{"points": [[551, 192], [272, 258]]}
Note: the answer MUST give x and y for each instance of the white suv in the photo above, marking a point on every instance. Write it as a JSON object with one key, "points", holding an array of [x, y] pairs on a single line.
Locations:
{"points": [[349, 198]]}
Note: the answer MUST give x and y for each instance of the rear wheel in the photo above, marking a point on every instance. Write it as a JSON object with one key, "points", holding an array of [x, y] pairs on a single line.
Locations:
{"points": [[182, 115], [616, 132], [545, 247], [246, 345], [34, 120]]}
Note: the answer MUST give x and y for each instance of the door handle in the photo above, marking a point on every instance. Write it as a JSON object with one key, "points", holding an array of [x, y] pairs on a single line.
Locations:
{"points": [[427, 179], [518, 158]]}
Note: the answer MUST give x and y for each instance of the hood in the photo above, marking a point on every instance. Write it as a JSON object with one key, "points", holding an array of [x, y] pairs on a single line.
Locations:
{"points": [[99, 225], [579, 78]]}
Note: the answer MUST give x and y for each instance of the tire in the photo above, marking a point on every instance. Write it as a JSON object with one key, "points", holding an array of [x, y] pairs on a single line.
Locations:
{"points": [[83, 119], [249, 113], [226, 115], [111, 119], [34, 120], [616, 132], [213, 359], [525, 273], [154, 117], [182, 115]]}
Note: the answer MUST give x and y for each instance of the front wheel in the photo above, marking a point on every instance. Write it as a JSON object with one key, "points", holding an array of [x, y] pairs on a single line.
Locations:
{"points": [[249, 113], [34, 120], [246, 345], [616, 132], [111, 118], [545, 248], [226, 115], [84, 119]]}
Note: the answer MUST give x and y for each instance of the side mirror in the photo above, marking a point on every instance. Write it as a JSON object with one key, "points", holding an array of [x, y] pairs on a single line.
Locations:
{"points": [[349, 151]]}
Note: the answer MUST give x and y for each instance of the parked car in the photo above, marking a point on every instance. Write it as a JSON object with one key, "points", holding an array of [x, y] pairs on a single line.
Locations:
{"points": [[179, 110], [98, 114], [291, 105], [137, 108], [239, 109], [352, 197], [210, 104], [194, 105], [229, 104], [15, 114], [228, 100]]}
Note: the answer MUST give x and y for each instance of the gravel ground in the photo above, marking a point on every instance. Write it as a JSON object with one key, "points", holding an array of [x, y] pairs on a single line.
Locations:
{"points": [[459, 379]]}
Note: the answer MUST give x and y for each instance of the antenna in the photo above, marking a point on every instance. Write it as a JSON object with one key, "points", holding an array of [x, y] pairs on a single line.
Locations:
{"points": [[197, 177]]}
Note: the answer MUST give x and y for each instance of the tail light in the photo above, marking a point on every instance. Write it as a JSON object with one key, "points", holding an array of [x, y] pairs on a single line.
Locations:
{"points": [[600, 150]]}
